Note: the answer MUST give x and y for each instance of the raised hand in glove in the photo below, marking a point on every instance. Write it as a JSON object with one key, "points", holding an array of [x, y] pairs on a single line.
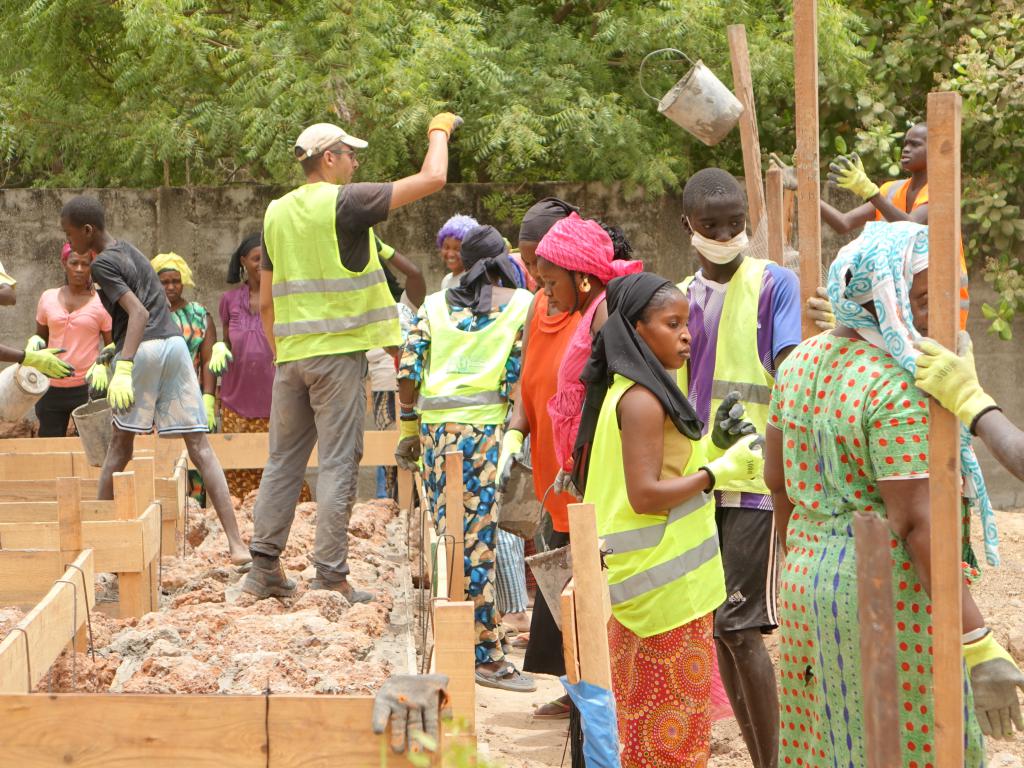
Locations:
{"points": [[210, 403], [47, 363], [744, 461], [220, 358], [511, 452], [952, 379], [412, 703], [848, 173], [445, 121], [819, 309], [35, 343], [407, 452], [729, 425], [995, 679], [121, 394]]}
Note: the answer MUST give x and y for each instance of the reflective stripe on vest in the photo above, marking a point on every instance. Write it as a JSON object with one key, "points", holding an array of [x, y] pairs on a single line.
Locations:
{"points": [[663, 570], [749, 393], [462, 377], [320, 306]]}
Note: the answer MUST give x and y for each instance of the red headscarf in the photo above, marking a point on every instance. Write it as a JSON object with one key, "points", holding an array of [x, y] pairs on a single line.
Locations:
{"points": [[65, 253]]}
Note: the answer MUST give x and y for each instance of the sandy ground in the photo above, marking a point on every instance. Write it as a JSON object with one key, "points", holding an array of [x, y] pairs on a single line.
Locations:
{"points": [[509, 736]]}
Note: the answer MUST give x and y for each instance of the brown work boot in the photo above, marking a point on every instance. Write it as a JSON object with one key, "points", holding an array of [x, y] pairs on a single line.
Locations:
{"points": [[267, 578], [342, 587]]}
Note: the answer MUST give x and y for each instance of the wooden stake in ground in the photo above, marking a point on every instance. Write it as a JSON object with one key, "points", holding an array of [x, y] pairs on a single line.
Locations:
{"points": [[808, 193], [775, 213], [591, 597], [944, 429], [455, 525], [743, 85]]}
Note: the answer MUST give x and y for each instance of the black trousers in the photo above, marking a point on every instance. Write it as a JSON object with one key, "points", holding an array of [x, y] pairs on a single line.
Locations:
{"points": [[54, 409]]}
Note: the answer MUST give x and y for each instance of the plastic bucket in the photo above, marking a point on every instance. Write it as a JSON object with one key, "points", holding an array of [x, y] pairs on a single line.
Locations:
{"points": [[20, 389], [519, 512], [699, 103], [552, 570], [94, 424]]}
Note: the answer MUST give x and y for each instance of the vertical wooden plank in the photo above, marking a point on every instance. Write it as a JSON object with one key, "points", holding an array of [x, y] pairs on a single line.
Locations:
{"points": [[570, 643], [808, 193], [876, 616], [455, 525], [591, 591], [743, 85], [454, 641], [405, 489], [145, 489], [69, 522], [775, 215], [944, 429], [133, 587]]}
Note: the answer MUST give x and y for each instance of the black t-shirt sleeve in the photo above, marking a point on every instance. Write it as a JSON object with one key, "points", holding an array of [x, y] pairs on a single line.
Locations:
{"points": [[108, 276], [360, 206]]}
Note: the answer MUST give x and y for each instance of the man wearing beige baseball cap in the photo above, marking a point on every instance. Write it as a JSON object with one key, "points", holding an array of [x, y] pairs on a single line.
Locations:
{"points": [[324, 301]]}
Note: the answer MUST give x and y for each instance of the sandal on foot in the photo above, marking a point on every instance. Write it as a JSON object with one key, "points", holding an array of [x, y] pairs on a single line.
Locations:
{"points": [[521, 640], [508, 678], [553, 710]]}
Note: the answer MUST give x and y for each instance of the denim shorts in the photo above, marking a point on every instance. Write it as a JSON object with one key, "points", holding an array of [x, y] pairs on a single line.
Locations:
{"points": [[167, 393]]}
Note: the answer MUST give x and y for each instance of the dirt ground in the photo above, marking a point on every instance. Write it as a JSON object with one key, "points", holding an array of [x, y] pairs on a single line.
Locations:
{"points": [[509, 736]]}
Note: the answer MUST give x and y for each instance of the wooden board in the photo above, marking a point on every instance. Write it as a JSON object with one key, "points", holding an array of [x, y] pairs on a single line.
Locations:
{"points": [[25, 576], [808, 193], [944, 428], [36, 466], [591, 596], [454, 639], [250, 450], [570, 642], [164, 450], [743, 85], [454, 536], [39, 490], [25, 656], [46, 511], [776, 216]]}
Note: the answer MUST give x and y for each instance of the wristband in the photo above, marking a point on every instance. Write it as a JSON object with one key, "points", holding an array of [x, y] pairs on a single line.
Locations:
{"points": [[974, 423], [711, 476]]}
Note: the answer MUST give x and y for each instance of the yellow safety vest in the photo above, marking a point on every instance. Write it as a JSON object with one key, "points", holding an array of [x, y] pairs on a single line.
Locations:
{"points": [[320, 307], [737, 365], [663, 570], [463, 373]]}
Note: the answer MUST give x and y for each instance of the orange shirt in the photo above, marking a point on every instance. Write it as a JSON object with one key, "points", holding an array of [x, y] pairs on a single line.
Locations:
{"points": [[547, 339], [897, 191]]}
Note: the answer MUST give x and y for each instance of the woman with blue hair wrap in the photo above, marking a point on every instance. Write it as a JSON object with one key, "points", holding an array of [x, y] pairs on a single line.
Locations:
{"points": [[848, 433], [449, 244]]}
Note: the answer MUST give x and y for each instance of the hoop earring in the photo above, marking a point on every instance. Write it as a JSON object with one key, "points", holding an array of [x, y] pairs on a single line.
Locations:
{"points": [[585, 285]]}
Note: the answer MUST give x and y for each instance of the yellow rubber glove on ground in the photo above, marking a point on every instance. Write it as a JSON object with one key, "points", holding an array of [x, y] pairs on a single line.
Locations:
{"points": [[995, 678], [445, 121], [211, 411], [220, 358], [35, 343], [952, 379], [511, 451], [744, 461], [121, 394], [848, 173], [819, 309], [46, 362], [407, 452]]}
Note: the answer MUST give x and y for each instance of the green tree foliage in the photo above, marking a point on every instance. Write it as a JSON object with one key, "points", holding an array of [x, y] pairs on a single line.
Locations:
{"points": [[143, 92]]}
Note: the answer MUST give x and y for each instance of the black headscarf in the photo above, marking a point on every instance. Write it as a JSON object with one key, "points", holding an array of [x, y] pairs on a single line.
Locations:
{"points": [[618, 348], [235, 264], [542, 216], [485, 256]]}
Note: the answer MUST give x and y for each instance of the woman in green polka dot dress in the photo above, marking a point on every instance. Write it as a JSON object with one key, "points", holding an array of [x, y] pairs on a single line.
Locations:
{"points": [[848, 433]]}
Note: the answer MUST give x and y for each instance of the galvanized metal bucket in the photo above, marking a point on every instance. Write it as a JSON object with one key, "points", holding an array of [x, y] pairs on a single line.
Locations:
{"points": [[95, 429], [699, 103]]}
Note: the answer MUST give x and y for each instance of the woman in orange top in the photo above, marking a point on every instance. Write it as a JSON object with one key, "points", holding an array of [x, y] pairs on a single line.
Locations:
{"points": [[547, 335]]}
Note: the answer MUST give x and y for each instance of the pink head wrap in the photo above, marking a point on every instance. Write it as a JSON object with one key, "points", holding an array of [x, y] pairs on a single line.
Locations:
{"points": [[581, 245], [65, 253]]}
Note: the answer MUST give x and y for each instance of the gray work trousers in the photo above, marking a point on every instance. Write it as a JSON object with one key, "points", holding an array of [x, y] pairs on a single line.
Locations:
{"points": [[316, 400]]}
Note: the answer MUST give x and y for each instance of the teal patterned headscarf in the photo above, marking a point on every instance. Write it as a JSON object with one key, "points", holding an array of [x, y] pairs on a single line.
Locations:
{"points": [[877, 269]]}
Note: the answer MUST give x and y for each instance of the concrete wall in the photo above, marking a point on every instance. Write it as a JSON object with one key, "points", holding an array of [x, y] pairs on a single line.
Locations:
{"points": [[205, 225]]}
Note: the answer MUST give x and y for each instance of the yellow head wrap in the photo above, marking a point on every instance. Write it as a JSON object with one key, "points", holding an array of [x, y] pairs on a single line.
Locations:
{"points": [[163, 262]]}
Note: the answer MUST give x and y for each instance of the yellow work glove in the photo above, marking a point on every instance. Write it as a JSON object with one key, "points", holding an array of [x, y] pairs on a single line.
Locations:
{"points": [[384, 251], [407, 452], [510, 453], [220, 358], [995, 678], [819, 309], [744, 461], [46, 362], [211, 411], [120, 394], [97, 377], [35, 343], [951, 379], [445, 121], [848, 173]]}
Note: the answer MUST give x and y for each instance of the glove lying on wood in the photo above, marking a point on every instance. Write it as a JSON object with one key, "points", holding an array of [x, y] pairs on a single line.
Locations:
{"points": [[412, 703]]}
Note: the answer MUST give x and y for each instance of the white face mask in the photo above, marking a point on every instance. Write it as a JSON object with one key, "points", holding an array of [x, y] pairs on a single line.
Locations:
{"points": [[718, 252]]}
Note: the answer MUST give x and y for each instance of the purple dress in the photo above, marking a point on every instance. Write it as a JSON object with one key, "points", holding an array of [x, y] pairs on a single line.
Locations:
{"points": [[247, 385]]}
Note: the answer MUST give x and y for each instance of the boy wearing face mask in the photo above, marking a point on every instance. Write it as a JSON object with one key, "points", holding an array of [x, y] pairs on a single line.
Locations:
{"points": [[744, 320]]}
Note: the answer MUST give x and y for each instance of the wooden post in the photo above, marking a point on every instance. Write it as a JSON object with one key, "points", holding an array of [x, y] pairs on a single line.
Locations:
{"points": [[876, 616], [808, 193], [145, 488], [743, 85], [454, 641], [133, 587], [455, 525], [775, 215], [591, 597], [944, 429], [69, 522]]}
